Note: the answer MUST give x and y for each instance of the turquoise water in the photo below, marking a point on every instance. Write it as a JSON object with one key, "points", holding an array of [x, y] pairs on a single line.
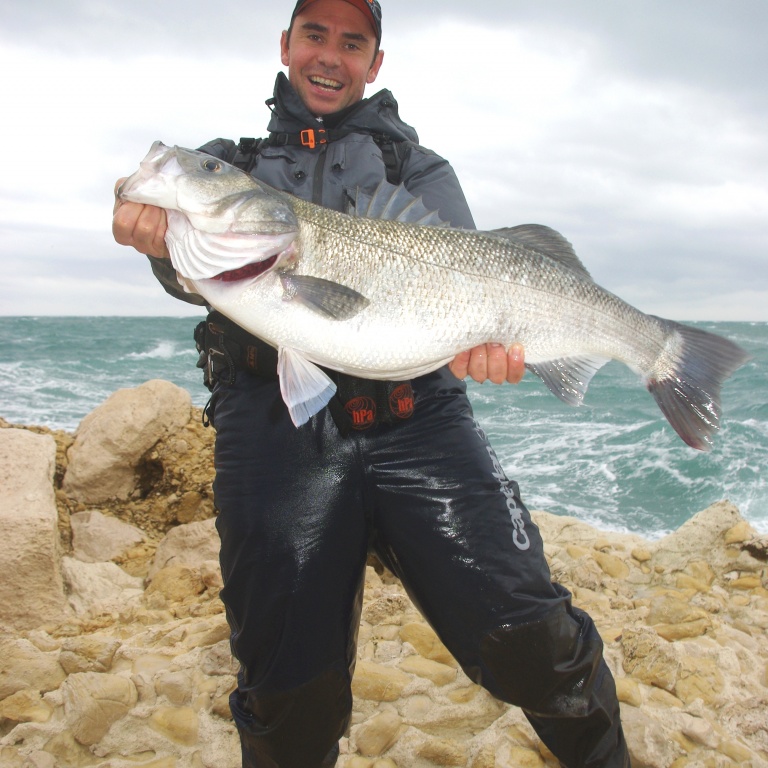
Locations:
{"points": [[614, 462]]}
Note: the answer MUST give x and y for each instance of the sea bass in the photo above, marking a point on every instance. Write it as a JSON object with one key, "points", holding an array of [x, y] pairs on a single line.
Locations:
{"points": [[392, 294]]}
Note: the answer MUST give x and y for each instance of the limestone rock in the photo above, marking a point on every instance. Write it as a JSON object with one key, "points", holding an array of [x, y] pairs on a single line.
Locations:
{"points": [[88, 653], [426, 642], [93, 702], [628, 691], [377, 682], [177, 583], [142, 677], [23, 666], [377, 734], [439, 674], [612, 565], [701, 538], [98, 538], [675, 619], [563, 530], [98, 587], [652, 745], [113, 439], [192, 544], [650, 659], [510, 756], [25, 706], [31, 587], [444, 752], [179, 724]]}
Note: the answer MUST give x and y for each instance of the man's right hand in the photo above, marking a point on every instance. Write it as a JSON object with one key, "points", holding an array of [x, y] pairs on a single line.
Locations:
{"points": [[142, 226]]}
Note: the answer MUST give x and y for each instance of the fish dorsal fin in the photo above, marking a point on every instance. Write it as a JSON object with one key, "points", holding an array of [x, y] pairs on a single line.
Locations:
{"points": [[547, 241], [392, 203]]}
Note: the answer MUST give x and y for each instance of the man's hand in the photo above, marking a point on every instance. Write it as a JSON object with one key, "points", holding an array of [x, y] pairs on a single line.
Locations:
{"points": [[490, 361], [142, 226]]}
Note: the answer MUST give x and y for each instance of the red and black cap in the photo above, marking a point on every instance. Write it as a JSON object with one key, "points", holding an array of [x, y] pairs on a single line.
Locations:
{"points": [[370, 8]]}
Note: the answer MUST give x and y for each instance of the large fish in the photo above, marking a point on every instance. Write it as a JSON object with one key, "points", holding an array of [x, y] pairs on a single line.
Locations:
{"points": [[382, 297]]}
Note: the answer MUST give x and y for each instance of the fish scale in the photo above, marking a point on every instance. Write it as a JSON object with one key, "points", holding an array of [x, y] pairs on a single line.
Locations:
{"points": [[393, 299]]}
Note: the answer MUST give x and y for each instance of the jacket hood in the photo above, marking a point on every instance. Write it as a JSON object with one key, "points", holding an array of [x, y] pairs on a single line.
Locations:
{"points": [[376, 114]]}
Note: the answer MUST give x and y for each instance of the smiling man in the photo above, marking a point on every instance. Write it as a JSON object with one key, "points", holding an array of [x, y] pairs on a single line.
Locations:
{"points": [[418, 484], [331, 53]]}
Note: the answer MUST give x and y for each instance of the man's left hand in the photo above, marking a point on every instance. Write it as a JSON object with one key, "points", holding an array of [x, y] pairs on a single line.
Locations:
{"points": [[492, 362]]}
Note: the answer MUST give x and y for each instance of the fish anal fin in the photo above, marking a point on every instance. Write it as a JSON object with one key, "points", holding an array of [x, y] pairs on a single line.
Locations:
{"points": [[568, 377], [547, 241], [339, 302], [305, 388]]}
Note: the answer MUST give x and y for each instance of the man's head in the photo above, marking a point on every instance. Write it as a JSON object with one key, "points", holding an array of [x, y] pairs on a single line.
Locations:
{"points": [[332, 51], [370, 8]]}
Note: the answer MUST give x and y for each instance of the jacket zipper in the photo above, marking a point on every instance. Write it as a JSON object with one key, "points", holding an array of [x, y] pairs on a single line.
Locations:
{"points": [[317, 178]]}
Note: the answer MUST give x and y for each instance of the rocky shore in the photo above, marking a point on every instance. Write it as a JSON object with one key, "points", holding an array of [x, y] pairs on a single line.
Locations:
{"points": [[114, 647]]}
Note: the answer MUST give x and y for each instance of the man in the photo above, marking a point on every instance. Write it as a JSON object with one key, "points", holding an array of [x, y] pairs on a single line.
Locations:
{"points": [[300, 508]]}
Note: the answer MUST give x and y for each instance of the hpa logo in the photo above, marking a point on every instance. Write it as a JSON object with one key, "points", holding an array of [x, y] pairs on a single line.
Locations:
{"points": [[362, 411], [401, 401]]}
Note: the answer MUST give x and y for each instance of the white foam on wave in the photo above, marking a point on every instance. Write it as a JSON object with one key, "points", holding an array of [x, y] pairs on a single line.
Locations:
{"points": [[164, 350]]}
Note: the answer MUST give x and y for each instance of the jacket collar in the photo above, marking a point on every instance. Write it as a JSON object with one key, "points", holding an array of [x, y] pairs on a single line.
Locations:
{"points": [[376, 114]]}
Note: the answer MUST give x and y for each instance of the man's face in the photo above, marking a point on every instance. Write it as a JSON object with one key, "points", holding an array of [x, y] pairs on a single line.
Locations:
{"points": [[330, 55]]}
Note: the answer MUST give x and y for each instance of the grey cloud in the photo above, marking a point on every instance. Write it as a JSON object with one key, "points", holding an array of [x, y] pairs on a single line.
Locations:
{"points": [[144, 26], [718, 42]]}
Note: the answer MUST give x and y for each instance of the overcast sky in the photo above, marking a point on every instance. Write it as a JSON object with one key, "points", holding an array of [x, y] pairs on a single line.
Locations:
{"points": [[637, 128]]}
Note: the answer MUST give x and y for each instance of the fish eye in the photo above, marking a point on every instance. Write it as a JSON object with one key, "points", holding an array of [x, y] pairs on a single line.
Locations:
{"points": [[211, 165]]}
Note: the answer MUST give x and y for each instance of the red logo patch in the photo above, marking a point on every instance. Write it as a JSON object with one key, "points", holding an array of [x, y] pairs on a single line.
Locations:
{"points": [[362, 411], [401, 401]]}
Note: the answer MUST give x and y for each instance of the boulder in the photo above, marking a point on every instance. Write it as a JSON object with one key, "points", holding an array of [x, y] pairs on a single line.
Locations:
{"points": [[192, 545], [97, 538], [25, 666], [93, 702], [31, 587], [99, 587], [105, 460]]}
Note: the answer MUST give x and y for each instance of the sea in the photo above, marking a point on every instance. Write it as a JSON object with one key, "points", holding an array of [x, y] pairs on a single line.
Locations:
{"points": [[614, 462]]}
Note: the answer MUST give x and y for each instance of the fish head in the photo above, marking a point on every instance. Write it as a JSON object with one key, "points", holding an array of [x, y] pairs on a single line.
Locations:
{"points": [[214, 195], [222, 223], [155, 181]]}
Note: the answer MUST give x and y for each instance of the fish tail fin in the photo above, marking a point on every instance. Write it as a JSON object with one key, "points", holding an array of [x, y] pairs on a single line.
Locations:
{"points": [[687, 380]]}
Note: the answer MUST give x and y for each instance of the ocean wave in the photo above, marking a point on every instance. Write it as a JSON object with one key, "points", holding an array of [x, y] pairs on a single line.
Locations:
{"points": [[614, 462], [163, 350]]}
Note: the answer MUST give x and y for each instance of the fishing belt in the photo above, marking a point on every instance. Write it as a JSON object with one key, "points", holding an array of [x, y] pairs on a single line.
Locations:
{"points": [[358, 405]]}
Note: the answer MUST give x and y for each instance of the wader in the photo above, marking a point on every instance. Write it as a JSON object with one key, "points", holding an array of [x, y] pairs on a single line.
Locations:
{"points": [[299, 511]]}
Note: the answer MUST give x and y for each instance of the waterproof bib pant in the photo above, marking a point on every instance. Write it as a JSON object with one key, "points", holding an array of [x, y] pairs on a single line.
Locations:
{"points": [[299, 510]]}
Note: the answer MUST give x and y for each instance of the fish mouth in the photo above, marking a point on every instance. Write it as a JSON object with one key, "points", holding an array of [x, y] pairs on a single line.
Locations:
{"points": [[248, 271], [325, 83]]}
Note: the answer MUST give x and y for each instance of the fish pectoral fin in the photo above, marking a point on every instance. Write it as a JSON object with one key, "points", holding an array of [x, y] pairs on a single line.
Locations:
{"points": [[306, 389], [333, 300], [568, 377]]}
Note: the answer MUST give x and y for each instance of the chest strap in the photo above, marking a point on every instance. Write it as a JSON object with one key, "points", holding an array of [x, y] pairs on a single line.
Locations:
{"points": [[393, 153]]}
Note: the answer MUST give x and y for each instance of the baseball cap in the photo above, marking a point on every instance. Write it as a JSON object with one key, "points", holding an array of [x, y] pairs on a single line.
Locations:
{"points": [[370, 8]]}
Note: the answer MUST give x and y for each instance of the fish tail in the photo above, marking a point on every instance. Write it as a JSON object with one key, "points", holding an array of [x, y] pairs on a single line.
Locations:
{"points": [[687, 379]]}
